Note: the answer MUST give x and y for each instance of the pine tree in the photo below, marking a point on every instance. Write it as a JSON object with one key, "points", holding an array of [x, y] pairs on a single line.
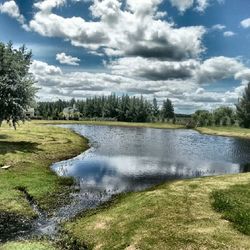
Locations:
{"points": [[16, 84], [168, 110], [243, 108], [155, 108]]}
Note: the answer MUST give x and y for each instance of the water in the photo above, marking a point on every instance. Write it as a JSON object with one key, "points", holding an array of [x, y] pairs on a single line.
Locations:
{"points": [[125, 159]]}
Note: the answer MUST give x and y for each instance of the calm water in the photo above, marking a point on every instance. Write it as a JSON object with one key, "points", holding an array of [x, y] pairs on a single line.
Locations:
{"points": [[129, 159]]}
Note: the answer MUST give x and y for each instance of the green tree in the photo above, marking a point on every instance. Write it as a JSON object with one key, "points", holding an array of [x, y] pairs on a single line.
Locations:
{"points": [[243, 108], [202, 118], [155, 108], [16, 83], [168, 110]]}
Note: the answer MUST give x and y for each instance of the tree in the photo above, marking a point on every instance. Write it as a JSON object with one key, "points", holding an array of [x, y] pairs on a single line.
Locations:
{"points": [[168, 110], [202, 118], [16, 83], [155, 108], [224, 116], [243, 108]]}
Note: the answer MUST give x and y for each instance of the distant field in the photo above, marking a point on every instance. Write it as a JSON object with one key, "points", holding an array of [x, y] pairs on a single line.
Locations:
{"points": [[113, 123]]}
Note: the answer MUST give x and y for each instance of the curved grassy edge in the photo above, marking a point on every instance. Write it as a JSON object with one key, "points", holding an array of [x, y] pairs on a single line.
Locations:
{"points": [[27, 245], [234, 204], [175, 215], [226, 131], [30, 151], [159, 125]]}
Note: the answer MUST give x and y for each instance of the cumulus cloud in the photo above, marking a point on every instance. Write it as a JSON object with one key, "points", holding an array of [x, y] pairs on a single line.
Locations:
{"points": [[218, 68], [229, 34], [67, 59], [245, 23], [133, 31], [186, 93], [198, 5], [153, 69], [39, 68], [11, 8]]}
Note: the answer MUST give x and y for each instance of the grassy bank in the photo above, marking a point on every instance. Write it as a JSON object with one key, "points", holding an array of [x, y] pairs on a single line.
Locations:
{"points": [[29, 151], [175, 215], [226, 131], [115, 123]]}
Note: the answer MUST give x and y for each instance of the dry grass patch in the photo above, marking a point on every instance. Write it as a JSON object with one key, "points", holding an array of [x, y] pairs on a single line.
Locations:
{"points": [[176, 215]]}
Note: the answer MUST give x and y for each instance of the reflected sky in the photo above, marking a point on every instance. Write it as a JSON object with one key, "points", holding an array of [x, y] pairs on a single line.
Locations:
{"points": [[130, 159]]}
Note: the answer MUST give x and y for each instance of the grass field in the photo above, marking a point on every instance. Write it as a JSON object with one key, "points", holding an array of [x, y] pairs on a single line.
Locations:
{"points": [[226, 131], [176, 215], [29, 151]]}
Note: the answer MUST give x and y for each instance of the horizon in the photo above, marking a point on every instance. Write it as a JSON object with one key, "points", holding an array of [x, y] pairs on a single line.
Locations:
{"points": [[193, 52]]}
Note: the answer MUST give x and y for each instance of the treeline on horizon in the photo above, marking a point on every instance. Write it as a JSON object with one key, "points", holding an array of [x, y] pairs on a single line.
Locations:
{"points": [[125, 108]]}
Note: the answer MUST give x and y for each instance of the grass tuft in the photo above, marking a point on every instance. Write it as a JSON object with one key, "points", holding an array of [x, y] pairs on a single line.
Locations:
{"points": [[234, 204]]}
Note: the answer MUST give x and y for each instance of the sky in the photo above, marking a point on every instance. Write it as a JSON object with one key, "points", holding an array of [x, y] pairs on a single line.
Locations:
{"points": [[195, 52]]}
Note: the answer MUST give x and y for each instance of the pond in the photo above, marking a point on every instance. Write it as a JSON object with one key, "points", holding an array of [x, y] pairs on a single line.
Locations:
{"points": [[123, 159]]}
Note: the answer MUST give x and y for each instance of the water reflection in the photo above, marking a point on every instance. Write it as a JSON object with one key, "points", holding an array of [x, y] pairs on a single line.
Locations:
{"points": [[128, 159]]}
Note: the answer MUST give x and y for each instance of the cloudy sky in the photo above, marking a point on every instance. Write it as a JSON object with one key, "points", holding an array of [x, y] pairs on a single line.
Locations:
{"points": [[195, 52]]}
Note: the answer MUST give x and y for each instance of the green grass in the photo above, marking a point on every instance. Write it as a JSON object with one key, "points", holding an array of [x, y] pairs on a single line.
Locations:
{"points": [[176, 215], [114, 123], [226, 131], [27, 245], [30, 150], [234, 204]]}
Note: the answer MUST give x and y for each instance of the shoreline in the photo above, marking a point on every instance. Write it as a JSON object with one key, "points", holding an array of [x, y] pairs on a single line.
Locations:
{"points": [[119, 199]]}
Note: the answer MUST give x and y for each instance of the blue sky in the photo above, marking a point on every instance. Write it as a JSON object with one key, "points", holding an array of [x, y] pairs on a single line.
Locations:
{"points": [[195, 52]]}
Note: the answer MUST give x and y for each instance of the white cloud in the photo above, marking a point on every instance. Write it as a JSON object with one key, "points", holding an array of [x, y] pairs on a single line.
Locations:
{"points": [[229, 34], [153, 69], [39, 68], [11, 8], [182, 5], [218, 27], [198, 5], [67, 59], [245, 23], [135, 31], [185, 93], [218, 68]]}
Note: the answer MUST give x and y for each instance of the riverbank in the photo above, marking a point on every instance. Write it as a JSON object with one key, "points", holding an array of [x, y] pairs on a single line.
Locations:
{"points": [[226, 131], [28, 154], [159, 125], [175, 215]]}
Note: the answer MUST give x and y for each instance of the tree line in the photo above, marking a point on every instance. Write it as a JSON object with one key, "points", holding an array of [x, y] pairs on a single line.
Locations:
{"points": [[124, 108]]}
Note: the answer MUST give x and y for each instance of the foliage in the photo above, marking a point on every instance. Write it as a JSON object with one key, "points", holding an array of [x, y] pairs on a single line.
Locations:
{"points": [[222, 116], [167, 110], [16, 84], [203, 118], [243, 108], [125, 108], [234, 203]]}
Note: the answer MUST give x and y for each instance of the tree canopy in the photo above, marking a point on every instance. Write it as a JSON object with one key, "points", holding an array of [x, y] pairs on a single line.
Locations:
{"points": [[243, 108], [16, 84]]}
